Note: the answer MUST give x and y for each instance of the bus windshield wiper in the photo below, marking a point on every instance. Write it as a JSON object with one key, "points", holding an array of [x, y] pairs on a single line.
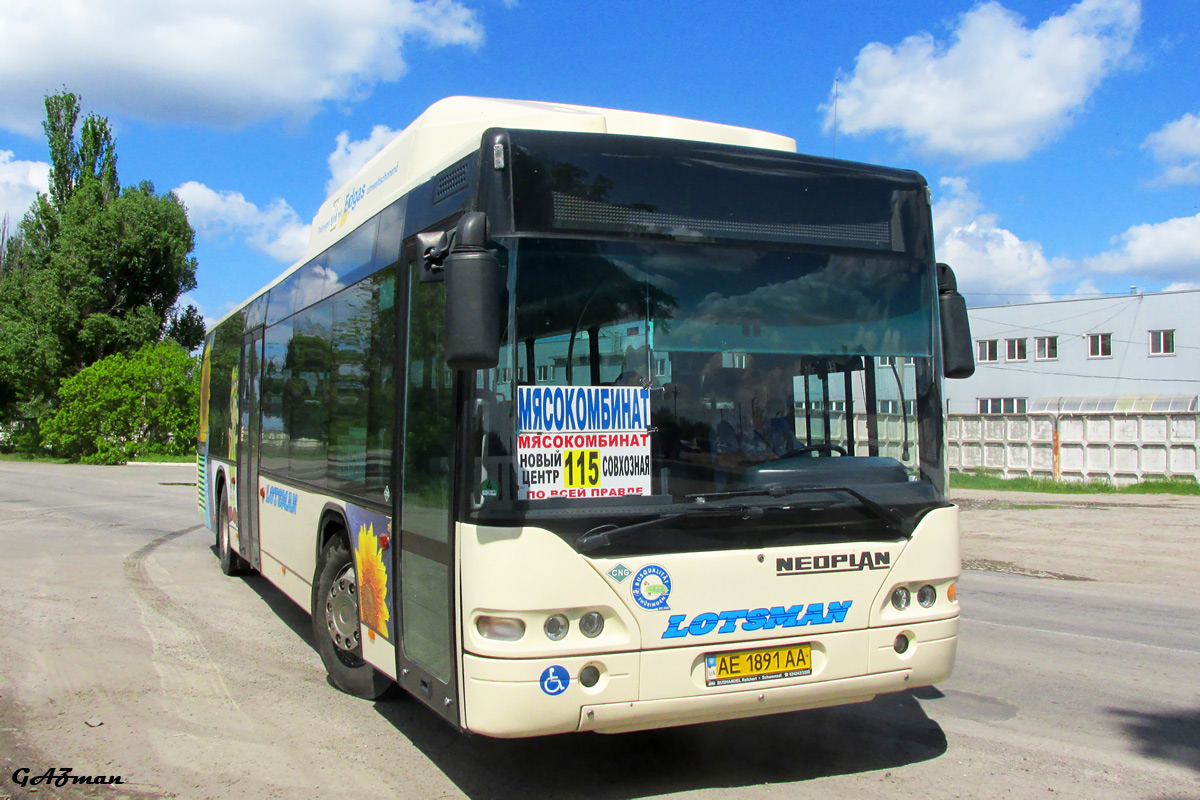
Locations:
{"points": [[604, 535], [894, 520]]}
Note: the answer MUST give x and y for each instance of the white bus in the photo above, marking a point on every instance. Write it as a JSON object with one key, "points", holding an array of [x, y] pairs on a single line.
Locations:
{"points": [[577, 419]]}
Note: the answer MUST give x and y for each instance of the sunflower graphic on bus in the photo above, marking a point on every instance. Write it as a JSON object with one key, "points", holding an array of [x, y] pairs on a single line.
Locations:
{"points": [[372, 581], [370, 541]]}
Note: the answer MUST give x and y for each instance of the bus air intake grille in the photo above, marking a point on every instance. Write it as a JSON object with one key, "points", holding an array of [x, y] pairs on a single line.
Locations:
{"points": [[573, 212], [451, 180], [202, 481]]}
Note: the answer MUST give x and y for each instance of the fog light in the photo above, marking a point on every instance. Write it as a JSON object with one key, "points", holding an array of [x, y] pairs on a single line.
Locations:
{"points": [[589, 676], [926, 596], [901, 644], [900, 598], [591, 624], [505, 629], [556, 627]]}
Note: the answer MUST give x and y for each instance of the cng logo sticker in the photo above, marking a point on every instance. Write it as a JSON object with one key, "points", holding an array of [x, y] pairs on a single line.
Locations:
{"points": [[619, 573], [651, 588]]}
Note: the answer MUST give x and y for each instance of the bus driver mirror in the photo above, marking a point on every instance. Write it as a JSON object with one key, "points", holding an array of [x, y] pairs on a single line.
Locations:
{"points": [[957, 356], [472, 275]]}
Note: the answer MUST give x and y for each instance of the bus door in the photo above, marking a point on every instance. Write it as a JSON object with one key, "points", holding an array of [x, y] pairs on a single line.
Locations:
{"points": [[427, 657], [249, 428]]}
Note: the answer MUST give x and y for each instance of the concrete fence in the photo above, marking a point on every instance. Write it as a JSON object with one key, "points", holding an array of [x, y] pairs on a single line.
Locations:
{"points": [[1119, 447]]}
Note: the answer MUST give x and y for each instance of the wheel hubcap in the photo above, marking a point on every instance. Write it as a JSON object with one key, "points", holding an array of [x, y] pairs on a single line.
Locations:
{"points": [[341, 610]]}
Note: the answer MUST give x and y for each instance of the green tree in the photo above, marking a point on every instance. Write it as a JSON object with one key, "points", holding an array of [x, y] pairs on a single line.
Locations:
{"points": [[123, 407], [93, 270], [187, 327]]}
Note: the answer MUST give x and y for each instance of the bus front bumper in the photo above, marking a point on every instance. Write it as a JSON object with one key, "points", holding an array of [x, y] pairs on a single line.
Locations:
{"points": [[662, 688]]}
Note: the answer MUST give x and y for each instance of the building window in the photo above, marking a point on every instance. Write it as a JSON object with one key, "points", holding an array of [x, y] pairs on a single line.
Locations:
{"points": [[1014, 405], [544, 373], [733, 360], [1045, 348], [835, 406], [1002, 405], [1162, 343], [1015, 349], [987, 350], [660, 367], [1099, 345]]}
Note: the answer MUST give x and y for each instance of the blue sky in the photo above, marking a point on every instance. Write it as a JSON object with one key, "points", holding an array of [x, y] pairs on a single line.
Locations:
{"points": [[1062, 140]]}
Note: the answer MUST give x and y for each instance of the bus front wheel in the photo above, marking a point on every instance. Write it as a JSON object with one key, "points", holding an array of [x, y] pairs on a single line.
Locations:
{"points": [[336, 627], [231, 562]]}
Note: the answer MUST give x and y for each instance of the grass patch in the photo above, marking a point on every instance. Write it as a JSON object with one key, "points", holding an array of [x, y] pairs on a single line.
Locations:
{"points": [[993, 481], [48, 459], [156, 458]]}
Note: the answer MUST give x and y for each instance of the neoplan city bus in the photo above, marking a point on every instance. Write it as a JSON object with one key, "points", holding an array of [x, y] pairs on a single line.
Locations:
{"points": [[577, 419]]}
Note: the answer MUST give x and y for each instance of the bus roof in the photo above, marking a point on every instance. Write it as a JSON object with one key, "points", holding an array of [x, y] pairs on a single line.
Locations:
{"points": [[453, 127]]}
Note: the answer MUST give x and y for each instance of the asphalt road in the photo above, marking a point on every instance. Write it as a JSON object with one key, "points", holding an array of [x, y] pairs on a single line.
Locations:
{"points": [[124, 651]]}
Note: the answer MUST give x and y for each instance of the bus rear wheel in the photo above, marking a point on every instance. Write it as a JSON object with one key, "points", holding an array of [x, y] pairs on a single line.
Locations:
{"points": [[336, 626]]}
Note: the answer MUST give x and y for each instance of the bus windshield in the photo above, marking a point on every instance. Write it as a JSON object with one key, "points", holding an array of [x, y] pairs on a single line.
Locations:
{"points": [[638, 378]]}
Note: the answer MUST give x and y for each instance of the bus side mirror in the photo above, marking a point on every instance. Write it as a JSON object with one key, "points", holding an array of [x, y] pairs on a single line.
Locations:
{"points": [[958, 358], [473, 291]]}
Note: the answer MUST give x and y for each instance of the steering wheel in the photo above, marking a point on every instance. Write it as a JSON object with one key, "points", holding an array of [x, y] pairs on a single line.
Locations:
{"points": [[828, 449]]}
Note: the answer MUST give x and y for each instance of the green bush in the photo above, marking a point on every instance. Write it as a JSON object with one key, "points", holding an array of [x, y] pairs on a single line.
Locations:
{"points": [[123, 407]]}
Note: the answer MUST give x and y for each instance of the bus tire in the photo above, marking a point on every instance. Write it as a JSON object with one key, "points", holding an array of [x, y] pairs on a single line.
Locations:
{"points": [[231, 562], [336, 624]]}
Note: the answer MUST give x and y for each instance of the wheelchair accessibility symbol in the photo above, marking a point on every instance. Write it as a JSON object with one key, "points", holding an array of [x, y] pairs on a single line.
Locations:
{"points": [[555, 680]]}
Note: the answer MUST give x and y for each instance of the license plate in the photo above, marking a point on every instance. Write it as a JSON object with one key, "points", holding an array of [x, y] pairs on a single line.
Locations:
{"points": [[748, 666]]}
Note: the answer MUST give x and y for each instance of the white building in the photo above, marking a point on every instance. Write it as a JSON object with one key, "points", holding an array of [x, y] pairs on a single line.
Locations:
{"points": [[1127, 352], [1100, 388]]}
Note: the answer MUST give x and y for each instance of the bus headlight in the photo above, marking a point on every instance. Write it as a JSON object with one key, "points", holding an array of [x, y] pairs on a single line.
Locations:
{"points": [[556, 627], [591, 624], [900, 598], [506, 629], [926, 596]]}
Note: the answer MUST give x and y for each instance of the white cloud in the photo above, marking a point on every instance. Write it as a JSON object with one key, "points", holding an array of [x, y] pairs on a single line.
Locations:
{"points": [[989, 261], [214, 61], [276, 230], [998, 91], [1177, 147], [1160, 250], [20, 182], [349, 157]]}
